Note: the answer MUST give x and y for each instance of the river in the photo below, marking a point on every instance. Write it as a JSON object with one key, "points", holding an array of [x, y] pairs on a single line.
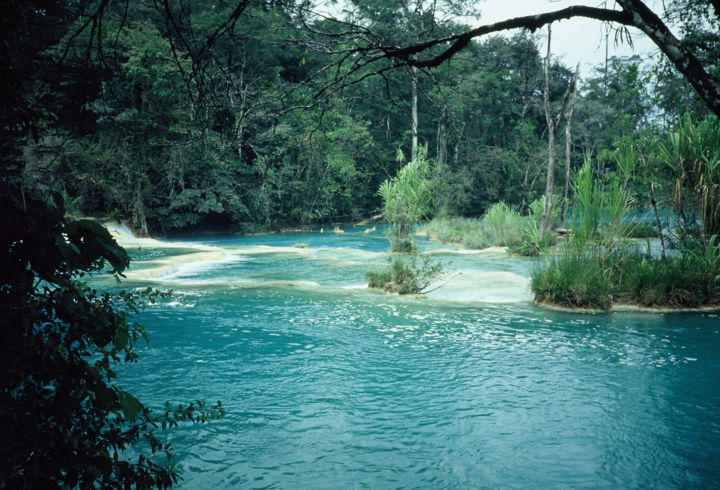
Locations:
{"points": [[330, 385]]}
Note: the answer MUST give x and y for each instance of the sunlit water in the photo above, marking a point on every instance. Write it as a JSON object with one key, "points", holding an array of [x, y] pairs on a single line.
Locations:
{"points": [[330, 385]]}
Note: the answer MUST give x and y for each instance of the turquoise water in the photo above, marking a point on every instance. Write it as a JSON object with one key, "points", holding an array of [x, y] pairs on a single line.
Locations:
{"points": [[330, 385]]}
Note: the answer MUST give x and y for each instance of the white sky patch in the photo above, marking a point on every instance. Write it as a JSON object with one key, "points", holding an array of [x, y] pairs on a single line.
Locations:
{"points": [[576, 40]]}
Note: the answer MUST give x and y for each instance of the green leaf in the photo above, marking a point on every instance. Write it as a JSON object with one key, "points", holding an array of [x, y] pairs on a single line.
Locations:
{"points": [[130, 405], [122, 337]]}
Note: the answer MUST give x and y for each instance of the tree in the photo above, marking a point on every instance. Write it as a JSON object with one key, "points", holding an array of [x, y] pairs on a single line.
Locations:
{"points": [[552, 126], [64, 420], [615, 101], [407, 200], [402, 21]]}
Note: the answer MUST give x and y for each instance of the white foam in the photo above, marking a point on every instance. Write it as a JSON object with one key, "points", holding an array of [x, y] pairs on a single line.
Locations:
{"points": [[127, 239], [167, 268]]}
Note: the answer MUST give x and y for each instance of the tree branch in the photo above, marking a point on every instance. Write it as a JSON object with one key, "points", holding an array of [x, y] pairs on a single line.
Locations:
{"points": [[685, 62], [531, 22]]}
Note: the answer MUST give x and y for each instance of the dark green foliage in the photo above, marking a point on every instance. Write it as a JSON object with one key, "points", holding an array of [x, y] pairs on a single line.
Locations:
{"points": [[406, 275], [65, 423]]}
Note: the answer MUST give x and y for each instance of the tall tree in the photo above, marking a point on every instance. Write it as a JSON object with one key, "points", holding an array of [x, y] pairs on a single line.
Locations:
{"points": [[65, 421], [568, 144], [552, 125]]}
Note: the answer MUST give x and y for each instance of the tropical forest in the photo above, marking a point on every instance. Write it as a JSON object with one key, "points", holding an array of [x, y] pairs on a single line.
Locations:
{"points": [[359, 244]]}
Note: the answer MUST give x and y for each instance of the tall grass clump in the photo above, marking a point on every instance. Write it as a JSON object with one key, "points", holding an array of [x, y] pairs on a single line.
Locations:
{"points": [[532, 242], [500, 226]]}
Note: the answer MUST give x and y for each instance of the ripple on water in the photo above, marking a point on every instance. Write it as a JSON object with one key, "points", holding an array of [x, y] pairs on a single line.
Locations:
{"points": [[357, 389]]}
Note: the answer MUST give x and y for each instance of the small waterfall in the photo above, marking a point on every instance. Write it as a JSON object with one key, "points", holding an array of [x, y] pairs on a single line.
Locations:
{"points": [[120, 231]]}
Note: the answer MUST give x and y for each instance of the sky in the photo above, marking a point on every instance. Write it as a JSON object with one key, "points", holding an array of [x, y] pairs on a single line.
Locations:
{"points": [[574, 40]]}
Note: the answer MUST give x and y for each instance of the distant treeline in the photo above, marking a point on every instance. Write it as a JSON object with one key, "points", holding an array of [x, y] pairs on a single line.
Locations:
{"points": [[240, 137]]}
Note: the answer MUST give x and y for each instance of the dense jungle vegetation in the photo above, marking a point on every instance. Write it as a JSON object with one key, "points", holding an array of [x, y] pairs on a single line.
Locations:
{"points": [[179, 115], [139, 131]]}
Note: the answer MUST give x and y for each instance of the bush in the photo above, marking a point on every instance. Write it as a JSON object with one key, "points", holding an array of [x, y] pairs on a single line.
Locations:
{"points": [[407, 200], [692, 152], [463, 231], [573, 280], [599, 265], [66, 422], [406, 276], [638, 229]]}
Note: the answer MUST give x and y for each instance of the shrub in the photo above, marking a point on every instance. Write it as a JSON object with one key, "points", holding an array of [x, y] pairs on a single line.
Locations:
{"points": [[531, 243], [67, 423], [406, 276], [596, 278], [693, 154], [638, 229], [576, 280]]}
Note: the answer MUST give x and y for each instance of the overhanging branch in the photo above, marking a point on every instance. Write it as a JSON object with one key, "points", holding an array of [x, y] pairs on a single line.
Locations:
{"points": [[531, 22]]}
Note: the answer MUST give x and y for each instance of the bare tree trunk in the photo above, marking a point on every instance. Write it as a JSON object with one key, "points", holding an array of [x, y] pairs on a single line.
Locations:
{"points": [[568, 141], [442, 139], [414, 114], [552, 125], [550, 181]]}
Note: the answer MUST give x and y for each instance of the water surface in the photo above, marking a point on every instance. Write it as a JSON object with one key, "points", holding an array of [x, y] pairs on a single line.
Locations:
{"points": [[328, 384]]}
